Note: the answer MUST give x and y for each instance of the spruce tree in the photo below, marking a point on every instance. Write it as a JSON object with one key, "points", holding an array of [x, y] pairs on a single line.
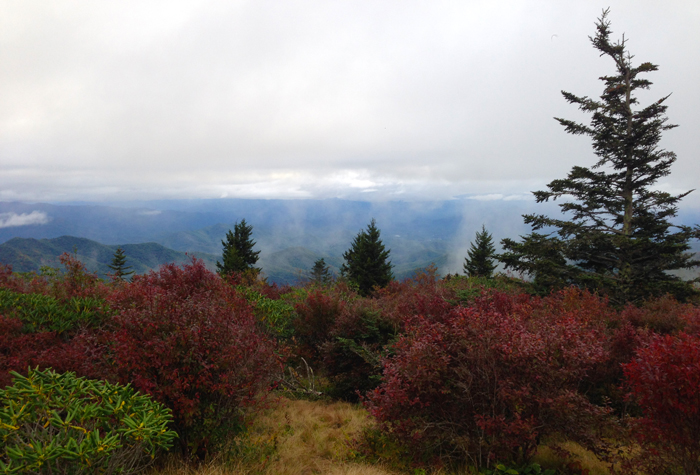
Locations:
{"points": [[619, 239], [238, 254], [320, 272], [481, 255], [366, 262], [118, 265]]}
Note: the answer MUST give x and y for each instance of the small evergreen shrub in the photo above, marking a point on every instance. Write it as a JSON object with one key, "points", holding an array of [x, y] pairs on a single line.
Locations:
{"points": [[59, 424], [353, 353]]}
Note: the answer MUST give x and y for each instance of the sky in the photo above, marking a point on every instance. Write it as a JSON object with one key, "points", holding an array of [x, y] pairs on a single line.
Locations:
{"points": [[361, 99]]}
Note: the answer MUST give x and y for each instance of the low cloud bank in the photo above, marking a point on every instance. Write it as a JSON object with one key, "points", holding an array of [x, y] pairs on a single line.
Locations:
{"points": [[9, 220]]}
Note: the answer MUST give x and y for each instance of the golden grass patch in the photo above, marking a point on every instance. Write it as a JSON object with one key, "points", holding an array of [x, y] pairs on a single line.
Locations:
{"points": [[296, 437]]}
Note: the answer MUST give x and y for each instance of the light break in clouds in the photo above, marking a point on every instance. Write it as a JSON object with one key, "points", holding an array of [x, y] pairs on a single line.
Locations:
{"points": [[364, 99], [9, 220]]}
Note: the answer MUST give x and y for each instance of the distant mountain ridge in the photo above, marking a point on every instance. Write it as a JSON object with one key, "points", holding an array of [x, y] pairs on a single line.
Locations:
{"points": [[29, 255], [291, 234]]}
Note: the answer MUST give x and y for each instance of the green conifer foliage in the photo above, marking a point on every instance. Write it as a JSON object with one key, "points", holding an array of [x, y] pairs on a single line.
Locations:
{"points": [[238, 254], [481, 255], [118, 266], [619, 240], [366, 262], [320, 273]]}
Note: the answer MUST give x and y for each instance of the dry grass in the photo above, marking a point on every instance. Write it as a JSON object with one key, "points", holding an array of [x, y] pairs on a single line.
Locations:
{"points": [[547, 458], [299, 437], [295, 438]]}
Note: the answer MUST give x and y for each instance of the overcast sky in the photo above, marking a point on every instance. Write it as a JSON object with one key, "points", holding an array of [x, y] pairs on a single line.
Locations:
{"points": [[372, 100]]}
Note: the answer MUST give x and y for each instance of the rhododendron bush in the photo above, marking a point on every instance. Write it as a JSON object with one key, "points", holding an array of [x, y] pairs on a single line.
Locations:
{"points": [[486, 383]]}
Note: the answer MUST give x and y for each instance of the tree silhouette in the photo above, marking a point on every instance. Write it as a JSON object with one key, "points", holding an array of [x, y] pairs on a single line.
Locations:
{"points": [[238, 254], [619, 240], [119, 268], [320, 273], [366, 262], [480, 256]]}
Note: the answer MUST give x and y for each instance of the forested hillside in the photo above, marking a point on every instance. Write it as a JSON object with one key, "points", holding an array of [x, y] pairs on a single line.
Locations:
{"points": [[30, 255]]}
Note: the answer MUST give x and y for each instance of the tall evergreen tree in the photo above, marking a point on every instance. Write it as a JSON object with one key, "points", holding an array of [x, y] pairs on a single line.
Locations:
{"points": [[366, 262], [320, 272], [238, 254], [119, 268], [480, 260], [619, 239]]}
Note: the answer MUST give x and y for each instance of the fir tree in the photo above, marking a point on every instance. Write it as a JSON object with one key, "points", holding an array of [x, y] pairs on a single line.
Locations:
{"points": [[366, 262], [619, 240], [480, 256], [320, 272], [119, 268], [238, 254]]}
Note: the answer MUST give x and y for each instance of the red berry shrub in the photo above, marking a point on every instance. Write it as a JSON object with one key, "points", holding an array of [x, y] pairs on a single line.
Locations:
{"points": [[664, 379], [485, 383], [183, 336]]}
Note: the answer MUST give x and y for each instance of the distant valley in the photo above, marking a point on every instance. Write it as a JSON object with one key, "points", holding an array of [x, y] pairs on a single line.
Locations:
{"points": [[291, 234]]}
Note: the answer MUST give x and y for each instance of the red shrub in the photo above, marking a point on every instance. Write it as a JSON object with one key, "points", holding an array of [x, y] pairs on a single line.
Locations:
{"points": [[315, 318], [183, 336], [664, 379], [661, 315], [691, 320], [22, 284], [485, 385], [421, 295], [19, 351]]}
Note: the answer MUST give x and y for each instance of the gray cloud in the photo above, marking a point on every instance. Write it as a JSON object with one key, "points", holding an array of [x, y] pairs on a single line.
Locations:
{"points": [[9, 220], [298, 99]]}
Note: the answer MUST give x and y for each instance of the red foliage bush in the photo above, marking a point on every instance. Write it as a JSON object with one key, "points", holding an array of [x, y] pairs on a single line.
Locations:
{"points": [[19, 351], [422, 294], [316, 316], [663, 315], [664, 379], [22, 284], [486, 383], [183, 336]]}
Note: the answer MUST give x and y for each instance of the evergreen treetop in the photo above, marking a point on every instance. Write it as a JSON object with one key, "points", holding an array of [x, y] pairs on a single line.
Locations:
{"points": [[118, 265], [619, 239], [320, 272], [238, 254], [481, 255], [366, 262]]}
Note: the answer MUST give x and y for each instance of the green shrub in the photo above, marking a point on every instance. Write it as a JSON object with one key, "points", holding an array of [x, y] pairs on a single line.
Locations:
{"points": [[45, 313], [528, 469], [275, 316], [59, 423]]}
